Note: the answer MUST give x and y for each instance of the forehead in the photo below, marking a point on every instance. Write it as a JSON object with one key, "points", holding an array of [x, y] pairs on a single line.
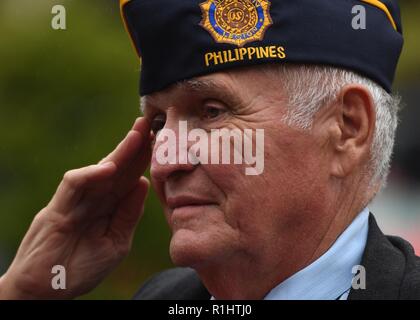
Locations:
{"points": [[218, 83], [234, 86]]}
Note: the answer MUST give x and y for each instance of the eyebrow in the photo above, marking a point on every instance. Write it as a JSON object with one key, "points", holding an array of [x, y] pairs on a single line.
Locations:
{"points": [[211, 88]]}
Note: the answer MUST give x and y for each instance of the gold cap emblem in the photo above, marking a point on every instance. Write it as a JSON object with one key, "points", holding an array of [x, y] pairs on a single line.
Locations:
{"points": [[236, 21]]}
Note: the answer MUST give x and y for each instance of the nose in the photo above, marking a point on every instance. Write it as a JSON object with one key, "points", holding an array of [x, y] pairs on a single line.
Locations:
{"points": [[170, 152]]}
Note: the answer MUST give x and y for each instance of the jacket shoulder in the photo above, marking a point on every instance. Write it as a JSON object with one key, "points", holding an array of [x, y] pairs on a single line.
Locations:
{"points": [[410, 285], [392, 268], [173, 284]]}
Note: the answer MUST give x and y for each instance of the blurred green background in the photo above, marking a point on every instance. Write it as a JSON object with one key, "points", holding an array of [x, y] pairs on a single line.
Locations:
{"points": [[67, 97]]}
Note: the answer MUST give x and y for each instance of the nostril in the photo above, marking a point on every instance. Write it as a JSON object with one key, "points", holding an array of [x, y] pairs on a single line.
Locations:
{"points": [[162, 169]]}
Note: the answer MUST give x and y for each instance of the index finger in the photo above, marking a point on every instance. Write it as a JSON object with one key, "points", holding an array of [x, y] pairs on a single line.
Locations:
{"points": [[131, 146]]}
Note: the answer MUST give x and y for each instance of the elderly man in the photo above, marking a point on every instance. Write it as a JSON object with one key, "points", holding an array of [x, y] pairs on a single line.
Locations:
{"points": [[316, 86]]}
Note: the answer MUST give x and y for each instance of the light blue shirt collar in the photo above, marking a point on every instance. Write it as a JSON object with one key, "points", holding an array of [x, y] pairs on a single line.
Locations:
{"points": [[330, 276]]}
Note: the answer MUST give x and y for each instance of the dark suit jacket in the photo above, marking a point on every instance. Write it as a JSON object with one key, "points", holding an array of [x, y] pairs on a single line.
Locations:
{"points": [[392, 272]]}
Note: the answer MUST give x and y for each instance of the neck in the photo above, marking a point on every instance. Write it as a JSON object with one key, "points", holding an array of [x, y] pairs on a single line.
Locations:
{"points": [[239, 280]]}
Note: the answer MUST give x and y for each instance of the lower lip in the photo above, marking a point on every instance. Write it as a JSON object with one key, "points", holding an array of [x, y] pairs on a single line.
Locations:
{"points": [[192, 210]]}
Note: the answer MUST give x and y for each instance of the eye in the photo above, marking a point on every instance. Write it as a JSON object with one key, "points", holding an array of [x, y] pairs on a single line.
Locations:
{"points": [[158, 123], [212, 111]]}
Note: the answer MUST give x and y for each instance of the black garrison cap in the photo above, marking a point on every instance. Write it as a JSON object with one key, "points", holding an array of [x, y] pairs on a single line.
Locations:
{"points": [[182, 39]]}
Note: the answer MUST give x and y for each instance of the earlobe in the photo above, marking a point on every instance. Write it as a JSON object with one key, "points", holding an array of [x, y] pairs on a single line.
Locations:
{"points": [[356, 119]]}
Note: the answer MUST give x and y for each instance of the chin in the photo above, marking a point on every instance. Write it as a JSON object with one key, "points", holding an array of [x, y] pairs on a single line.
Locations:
{"points": [[189, 249]]}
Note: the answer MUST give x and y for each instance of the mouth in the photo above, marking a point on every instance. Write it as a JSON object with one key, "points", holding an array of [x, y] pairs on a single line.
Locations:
{"points": [[185, 207], [187, 202]]}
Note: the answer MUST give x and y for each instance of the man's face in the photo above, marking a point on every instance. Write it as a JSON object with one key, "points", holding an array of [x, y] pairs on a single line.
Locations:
{"points": [[217, 212]]}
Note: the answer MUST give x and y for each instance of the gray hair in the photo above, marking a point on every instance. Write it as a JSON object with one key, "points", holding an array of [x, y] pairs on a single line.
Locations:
{"points": [[310, 87]]}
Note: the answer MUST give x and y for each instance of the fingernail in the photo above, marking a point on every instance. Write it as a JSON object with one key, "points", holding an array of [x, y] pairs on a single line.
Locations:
{"points": [[107, 164], [136, 121]]}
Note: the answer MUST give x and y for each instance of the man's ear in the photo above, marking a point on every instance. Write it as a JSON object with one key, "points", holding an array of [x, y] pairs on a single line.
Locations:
{"points": [[356, 116]]}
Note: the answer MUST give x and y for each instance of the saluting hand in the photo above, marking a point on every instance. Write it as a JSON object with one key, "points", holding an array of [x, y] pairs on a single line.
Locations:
{"points": [[88, 225]]}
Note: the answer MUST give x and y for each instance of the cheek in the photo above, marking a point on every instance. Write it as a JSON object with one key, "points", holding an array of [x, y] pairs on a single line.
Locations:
{"points": [[292, 157], [296, 177], [245, 196]]}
